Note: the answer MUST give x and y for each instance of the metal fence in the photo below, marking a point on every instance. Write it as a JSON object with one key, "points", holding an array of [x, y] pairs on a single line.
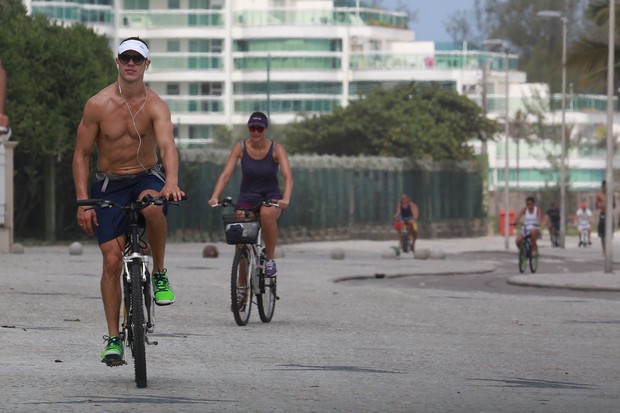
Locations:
{"points": [[335, 193]]}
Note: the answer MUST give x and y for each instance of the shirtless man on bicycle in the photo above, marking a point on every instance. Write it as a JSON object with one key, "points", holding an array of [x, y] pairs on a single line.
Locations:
{"points": [[126, 122], [531, 224]]}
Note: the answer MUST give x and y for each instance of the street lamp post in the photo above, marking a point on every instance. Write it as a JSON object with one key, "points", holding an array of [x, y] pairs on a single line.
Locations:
{"points": [[505, 45], [553, 14], [609, 205]]}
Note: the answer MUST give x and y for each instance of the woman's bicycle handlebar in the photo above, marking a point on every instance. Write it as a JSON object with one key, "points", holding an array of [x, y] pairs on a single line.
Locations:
{"points": [[228, 202], [140, 204]]}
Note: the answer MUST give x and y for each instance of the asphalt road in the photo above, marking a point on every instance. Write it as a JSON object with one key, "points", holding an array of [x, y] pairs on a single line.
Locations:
{"points": [[332, 346], [505, 264]]}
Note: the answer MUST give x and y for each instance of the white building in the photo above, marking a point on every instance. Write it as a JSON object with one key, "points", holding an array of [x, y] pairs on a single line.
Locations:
{"points": [[216, 61]]}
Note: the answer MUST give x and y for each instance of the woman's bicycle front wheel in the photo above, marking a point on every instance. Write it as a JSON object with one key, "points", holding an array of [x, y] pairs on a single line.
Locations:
{"points": [[241, 286], [137, 325], [266, 301]]}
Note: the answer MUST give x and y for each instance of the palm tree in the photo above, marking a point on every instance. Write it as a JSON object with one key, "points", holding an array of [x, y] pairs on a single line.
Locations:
{"points": [[588, 55]]}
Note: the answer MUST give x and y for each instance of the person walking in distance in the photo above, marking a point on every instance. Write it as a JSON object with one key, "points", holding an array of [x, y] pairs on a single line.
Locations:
{"points": [[601, 205], [127, 123], [553, 220], [260, 160], [407, 211]]}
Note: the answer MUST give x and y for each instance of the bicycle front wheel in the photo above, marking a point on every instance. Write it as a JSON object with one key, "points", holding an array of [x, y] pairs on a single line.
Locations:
{"points": [[522, 261], [137, 326], [534, 263], [404, 242], [266, 301], [241, 286]]}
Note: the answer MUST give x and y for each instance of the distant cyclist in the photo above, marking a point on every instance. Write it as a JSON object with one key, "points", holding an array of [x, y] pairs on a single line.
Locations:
{"points": [[531, 224], [553, 219], [584, 216], [407, 212]]}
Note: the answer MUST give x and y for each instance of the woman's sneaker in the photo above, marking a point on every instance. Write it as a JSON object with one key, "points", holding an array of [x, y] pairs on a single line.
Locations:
{"points": [[112, 354], [270, 268]]}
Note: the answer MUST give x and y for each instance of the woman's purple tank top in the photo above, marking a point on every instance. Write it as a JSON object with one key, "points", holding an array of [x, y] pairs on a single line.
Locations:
{"points": [[259, 179]]}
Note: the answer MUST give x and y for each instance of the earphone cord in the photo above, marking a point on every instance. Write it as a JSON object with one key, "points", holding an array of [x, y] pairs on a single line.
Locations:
{"points": [[133, 120]]}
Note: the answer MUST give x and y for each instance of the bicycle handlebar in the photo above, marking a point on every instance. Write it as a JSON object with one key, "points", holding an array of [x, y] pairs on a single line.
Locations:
{"points": [[228, 202], [140, 204]]}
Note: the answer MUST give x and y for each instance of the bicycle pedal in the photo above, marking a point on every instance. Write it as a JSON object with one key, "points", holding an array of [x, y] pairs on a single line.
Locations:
{"points": [[114, 362], [149, 342]]}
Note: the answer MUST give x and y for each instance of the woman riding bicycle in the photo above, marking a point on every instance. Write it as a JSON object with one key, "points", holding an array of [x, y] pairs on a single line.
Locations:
{"points": [[407, 212], [531, 224], [260, 159]]}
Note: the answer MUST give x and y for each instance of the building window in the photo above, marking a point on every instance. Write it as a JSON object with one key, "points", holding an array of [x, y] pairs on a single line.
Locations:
{"points": [[174, 4], [173, 89], [136, 4], [173, 46]]}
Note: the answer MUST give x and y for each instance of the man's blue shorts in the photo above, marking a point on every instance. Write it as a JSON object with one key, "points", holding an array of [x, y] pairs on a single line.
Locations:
{"points": [[112, 222]]}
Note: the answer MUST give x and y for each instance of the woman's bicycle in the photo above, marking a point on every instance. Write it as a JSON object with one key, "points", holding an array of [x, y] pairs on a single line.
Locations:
{"points": [[247, 277], [525, 255], [138, 308]]}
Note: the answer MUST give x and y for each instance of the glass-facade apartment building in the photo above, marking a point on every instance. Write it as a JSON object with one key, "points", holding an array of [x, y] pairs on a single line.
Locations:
{"points": [[216, 61]]}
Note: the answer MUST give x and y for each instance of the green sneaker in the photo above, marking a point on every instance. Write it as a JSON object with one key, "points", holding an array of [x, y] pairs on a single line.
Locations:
{"points": [[161, 287], [112, 354]]}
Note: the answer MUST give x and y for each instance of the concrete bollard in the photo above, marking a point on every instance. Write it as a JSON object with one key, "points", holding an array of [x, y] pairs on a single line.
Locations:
{"points": [[337, 254], [390, 254], [438, 255], [422, 254], [75, 248], [17, 248], [210, 251]]}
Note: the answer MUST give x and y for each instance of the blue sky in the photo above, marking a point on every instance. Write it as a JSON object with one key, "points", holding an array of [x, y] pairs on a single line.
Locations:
{"points": [[431, 16]]}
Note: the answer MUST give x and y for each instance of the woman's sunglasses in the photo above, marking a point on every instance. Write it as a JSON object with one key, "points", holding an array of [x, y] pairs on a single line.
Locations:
{"points": [[137, 59], [256, 129]]}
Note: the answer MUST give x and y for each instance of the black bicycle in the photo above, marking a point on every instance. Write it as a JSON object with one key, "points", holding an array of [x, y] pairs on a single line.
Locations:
{"points": [[138, 308], [247, 277], [525, 255]]}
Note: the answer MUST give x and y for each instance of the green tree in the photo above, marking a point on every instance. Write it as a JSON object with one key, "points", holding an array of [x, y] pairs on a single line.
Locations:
{"points": [[589, 53], [538, 41], [416, 120], [52, 71]]}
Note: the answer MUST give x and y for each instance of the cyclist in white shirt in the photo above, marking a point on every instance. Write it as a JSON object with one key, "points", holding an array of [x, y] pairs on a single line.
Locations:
{"points": [[531, 224], [584, 215]]}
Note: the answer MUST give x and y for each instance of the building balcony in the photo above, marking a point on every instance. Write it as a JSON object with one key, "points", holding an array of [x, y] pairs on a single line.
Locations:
{"points": [[340, 16], [155, 19]]}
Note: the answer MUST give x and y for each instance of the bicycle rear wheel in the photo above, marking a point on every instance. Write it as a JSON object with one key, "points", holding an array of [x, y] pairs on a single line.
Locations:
{"points": [[266, 301], [137, 325], [241, 286]]}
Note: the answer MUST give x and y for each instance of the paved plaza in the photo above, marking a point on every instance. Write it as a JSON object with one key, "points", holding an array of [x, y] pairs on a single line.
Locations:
{"points": [[331, 347]]}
